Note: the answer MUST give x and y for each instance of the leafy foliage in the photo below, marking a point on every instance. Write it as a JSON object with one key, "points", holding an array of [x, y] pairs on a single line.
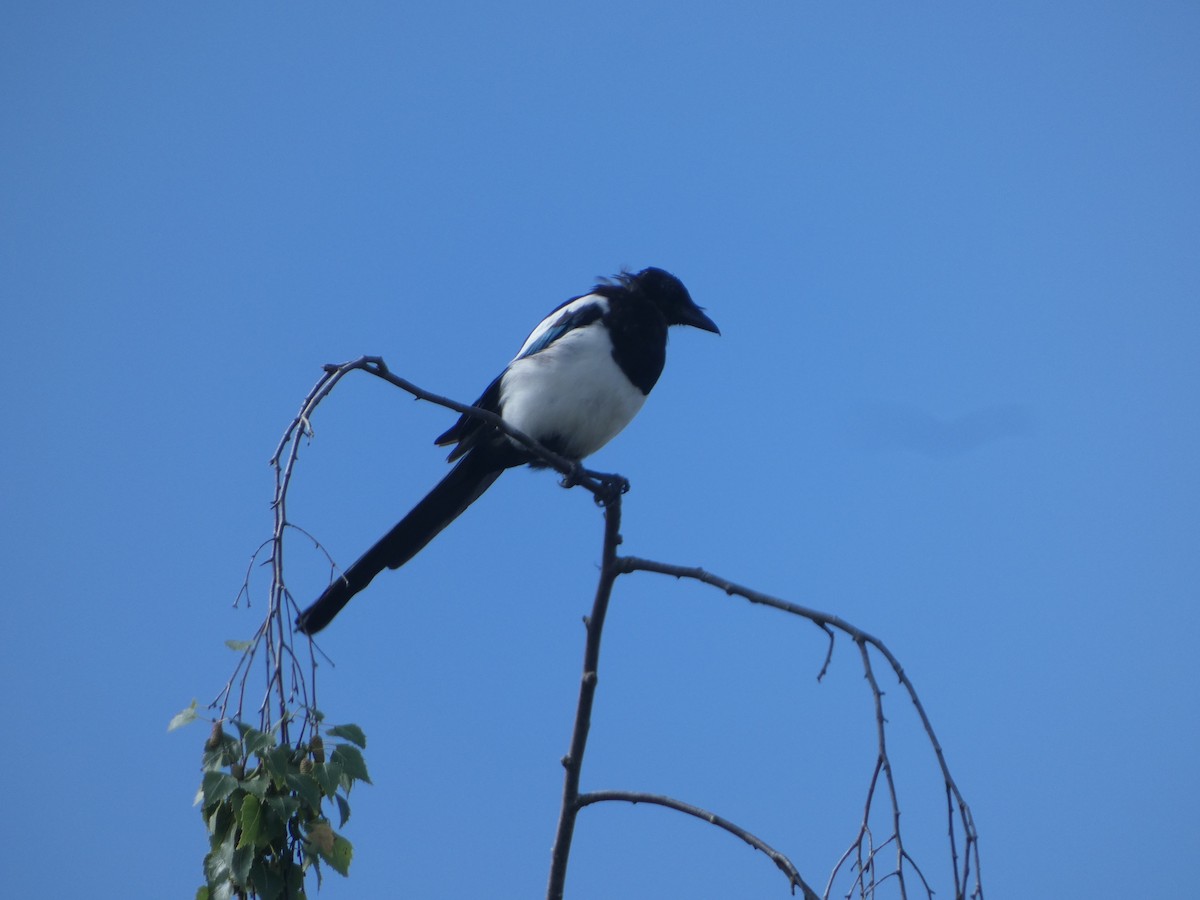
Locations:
{"points": [[261, 799]]}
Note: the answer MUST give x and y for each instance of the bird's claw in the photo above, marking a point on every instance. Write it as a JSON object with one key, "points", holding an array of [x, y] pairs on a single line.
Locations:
{"points": [[610, 488], [606, 489], [574, 477]]}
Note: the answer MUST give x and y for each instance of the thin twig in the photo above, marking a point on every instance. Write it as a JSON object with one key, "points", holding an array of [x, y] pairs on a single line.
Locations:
{"points": [[245, 589], [885, 763], [863, 830], [784, 864]]}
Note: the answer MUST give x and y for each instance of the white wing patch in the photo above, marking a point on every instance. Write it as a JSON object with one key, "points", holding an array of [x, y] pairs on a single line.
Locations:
{"points": [[564, 311]]}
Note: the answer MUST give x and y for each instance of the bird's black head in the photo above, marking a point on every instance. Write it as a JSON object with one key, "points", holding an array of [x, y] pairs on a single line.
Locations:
{"points": [[667, 292]]}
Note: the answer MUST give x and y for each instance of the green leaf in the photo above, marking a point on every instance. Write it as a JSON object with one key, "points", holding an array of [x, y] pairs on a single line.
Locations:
{"points": [[256, 741], [329, 776], [351, 761], [297, 879], [272, 830], [340, 856], [221, 824], [202, 893], [217, 786], [313, 861], [268, 884], [352, 733], [218, 865], [330, 846], [249, 815], [343, 806], [183, 717], [290, 881], [222, 891], [279, 762], [242, 859], [256, 784], [307, 788], [227, 750], [276, 830], [285, 807], [238, 646]]}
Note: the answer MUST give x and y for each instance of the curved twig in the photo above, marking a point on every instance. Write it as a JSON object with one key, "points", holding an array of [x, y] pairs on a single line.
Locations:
{"points": [[784, 864]]}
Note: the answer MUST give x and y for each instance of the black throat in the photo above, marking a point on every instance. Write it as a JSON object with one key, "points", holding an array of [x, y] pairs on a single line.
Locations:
{"points": [[639, 337]]}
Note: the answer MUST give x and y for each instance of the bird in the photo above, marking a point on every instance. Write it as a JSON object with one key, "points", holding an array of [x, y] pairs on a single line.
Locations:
{"points": [[580, 377]]}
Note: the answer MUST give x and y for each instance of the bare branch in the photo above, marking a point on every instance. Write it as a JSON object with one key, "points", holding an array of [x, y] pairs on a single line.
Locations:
{"points": [[784, 864], [573, 761], [962, 869]]}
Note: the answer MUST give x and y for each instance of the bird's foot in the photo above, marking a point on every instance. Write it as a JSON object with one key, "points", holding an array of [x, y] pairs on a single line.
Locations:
{"points": [[575, 477], [609, 489], [606, 489]]}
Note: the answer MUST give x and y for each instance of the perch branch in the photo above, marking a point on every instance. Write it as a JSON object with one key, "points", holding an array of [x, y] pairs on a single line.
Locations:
{"points": [[573, 761], [602, 486]]}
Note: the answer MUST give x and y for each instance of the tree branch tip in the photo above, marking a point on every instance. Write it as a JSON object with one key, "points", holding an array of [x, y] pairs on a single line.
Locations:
{"points": [[607, 491]]}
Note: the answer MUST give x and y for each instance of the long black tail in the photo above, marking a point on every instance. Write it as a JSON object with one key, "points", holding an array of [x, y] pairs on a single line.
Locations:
{"points": [[467, 481]]}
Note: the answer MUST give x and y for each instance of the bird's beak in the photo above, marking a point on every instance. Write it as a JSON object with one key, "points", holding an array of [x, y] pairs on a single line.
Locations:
{"points": [[697, 319]]}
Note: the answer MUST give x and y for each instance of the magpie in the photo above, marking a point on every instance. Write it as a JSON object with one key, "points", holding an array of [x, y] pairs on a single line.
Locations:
{"points": [[579, 378]]}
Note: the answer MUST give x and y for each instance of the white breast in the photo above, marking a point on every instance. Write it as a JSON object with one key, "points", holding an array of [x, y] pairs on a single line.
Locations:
{"points": [[572, 391]]}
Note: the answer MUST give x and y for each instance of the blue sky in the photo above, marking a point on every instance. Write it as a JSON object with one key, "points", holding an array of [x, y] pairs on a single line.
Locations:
{"points": [[953, 251]]}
